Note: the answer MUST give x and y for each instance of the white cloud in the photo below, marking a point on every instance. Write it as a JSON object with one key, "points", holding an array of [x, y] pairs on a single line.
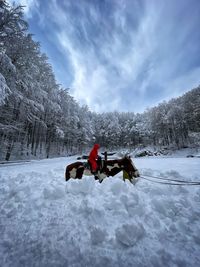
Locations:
{"points": [[27, 4], [94, 83], [102, 74]]}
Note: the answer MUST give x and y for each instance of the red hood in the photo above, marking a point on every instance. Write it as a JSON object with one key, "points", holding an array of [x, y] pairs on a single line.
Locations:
{"points": [[96, 146]]}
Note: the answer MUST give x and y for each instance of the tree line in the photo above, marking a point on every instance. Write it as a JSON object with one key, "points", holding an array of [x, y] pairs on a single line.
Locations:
{"points": [[39, 118], [173, 124]]}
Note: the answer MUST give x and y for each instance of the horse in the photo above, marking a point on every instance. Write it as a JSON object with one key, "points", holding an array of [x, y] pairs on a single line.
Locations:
{"points": [[108, 168]]}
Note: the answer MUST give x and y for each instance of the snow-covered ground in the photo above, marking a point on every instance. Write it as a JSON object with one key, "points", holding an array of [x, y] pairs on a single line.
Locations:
{"points": [[45, 221]]}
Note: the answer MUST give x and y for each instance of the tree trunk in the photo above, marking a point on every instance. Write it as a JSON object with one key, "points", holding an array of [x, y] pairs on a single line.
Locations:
{"points": [[9, 149]]}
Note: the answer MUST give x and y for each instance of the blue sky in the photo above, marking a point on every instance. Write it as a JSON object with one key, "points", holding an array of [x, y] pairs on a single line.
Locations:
{"points": [[124, 55]]}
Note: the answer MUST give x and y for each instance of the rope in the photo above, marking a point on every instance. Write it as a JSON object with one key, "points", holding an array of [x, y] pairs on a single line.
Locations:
{"points": [[173, 182]]}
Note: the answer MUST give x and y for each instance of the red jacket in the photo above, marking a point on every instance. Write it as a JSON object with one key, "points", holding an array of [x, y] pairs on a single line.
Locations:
{"points": [[93, 156]]}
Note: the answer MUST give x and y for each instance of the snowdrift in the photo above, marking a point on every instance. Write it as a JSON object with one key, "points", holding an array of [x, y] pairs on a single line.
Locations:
{"points": [[47, 222]]}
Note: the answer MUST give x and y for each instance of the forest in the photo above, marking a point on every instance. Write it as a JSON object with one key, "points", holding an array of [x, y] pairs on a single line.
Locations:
{"points": [[40, 119]]}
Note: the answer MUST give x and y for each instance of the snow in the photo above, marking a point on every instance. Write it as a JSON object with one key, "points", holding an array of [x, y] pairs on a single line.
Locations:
{"points": [[4, 90], [46, 221], [6, 62]]}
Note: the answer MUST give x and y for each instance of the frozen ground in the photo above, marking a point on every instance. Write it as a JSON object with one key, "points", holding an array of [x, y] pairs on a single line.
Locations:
{"points": [[45, 221]]}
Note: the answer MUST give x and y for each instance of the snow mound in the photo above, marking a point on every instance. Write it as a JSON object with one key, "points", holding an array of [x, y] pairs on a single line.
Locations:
{"points": [[46, 221], [130, 234], [84, 186], [54, 193], [97, 235], [117, 187]]}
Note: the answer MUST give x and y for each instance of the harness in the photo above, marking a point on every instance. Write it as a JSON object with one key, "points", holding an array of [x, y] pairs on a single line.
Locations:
{"points": [[87, 165]]}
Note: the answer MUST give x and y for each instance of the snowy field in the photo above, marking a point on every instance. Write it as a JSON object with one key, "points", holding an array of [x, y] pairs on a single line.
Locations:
{"points": [[45, 221]]}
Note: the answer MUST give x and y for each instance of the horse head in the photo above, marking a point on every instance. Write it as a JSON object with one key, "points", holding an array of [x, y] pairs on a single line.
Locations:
{"points": [[129, 167]]}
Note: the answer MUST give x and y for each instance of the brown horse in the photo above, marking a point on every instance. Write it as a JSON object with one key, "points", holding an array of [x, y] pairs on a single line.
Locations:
{"points": [[110, 168]]}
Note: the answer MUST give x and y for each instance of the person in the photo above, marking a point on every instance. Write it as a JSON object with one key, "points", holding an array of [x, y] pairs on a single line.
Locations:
{"points": [[93, 156]]}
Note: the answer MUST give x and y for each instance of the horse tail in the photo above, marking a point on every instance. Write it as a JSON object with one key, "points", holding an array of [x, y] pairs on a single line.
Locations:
{"points": [[67, 174]]}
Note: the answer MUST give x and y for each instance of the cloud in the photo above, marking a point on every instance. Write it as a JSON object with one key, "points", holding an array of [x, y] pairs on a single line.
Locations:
{"points": [[27, 4], [123, 55], [103, 64]]}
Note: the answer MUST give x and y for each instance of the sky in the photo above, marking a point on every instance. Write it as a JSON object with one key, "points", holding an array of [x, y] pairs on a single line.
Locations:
{"points": [[119, 55]]}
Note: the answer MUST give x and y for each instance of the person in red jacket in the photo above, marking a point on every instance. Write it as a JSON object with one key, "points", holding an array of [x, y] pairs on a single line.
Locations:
{"points": [[93, 156]]}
